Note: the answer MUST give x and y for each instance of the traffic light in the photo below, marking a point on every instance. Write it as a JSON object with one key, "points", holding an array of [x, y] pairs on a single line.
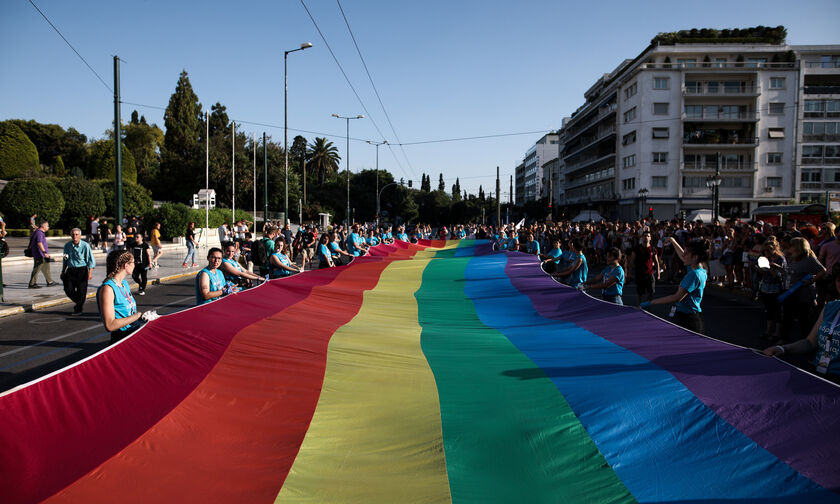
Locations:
{"points": [[650, 212]]}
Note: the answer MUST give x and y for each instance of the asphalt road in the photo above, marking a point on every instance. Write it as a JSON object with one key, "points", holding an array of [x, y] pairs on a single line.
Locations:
{"points": [[38, 343]]}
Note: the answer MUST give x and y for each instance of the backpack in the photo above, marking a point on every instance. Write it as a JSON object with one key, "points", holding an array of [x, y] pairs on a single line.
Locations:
{"points": [[259, 253]]}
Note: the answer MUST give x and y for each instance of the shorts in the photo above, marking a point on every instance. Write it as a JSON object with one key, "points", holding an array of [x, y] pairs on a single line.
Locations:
{"points": [[309, 253], [690, 321], [645, 284], [612, 298]]}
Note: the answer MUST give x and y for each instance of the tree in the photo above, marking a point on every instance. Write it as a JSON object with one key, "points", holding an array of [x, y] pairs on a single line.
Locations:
{"points": [[137, 200], [297, 152], [144, 142], [103, 166], [441, 184], [23, 197], [456, 190], [18, 155], [481, 194], [425, 183], [324, 158], [52, 141], [180, 168], [82, 199]]}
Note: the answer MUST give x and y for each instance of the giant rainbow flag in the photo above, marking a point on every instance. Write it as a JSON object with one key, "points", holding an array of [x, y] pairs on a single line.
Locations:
{"points": [[438, 372]]}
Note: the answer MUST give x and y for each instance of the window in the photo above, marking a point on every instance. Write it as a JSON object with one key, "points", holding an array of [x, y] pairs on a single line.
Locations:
{"points": [[832, 151], [693, 86], [710, 111], [660, 157], [660, 109], [694, 181], [777, 108], [628, 184], [777, 82], [820, 128], [630, 115], [630, 90], [661, 82], [629, 138], [814, 106], [720, 62], [736, 182], [812, 151], [687, 62], [755, 62], [660, 133], [811, 176], [774, 181], [694, 111], [629, 161], [659, 182], [775, 133], [774, 158]]}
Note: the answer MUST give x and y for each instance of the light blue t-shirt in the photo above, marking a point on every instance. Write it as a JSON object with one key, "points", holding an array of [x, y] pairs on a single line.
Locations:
{"points": [[353, 242], [324, 253], [284, 259], [555, 253], [512, 243], [372, 241], [831, 309], [124, 304], [578, 276], [217, 281], [616, 272], [694, 282], [404, 237], [235, 266], [534, 247]]}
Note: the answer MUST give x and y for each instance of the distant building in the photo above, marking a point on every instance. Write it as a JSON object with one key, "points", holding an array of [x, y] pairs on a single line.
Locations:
{"points": [[650, 131], [530, 171]]}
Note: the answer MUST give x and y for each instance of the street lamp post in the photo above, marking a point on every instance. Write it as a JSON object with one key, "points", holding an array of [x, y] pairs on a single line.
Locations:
{"points": [[643, 192], [305, 45], [377, 144], [347, 159], [713, 183]]}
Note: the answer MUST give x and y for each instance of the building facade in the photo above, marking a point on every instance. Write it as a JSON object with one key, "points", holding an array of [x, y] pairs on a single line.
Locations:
{"points": [[761, 119], [529, 173]]}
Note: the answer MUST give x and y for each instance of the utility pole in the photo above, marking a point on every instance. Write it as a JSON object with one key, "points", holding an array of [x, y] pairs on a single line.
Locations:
{"points": [[254, 146], [118, 142], [233, 175], [510, 199], [498, 200], [206, 178], [265, 181]]}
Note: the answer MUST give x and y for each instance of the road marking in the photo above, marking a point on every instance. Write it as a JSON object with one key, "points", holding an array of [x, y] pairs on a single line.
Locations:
{"points": [[11, 352], [47, 320]]}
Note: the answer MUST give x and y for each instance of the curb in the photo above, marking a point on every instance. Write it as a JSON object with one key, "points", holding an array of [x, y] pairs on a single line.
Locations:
{"points": [[43, 305]]}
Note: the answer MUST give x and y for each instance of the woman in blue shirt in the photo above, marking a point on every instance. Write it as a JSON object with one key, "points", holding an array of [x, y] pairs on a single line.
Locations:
{"points": [[210, 283], [371, 239], [824, 338], [324, 255], [533, 246], [686, 312], [336, 251], [551, 260], [117, 306], [578, 270], [281, 266], [611, 280]]}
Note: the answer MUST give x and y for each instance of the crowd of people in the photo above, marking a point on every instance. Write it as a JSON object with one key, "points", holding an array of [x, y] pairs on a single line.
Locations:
{"points": [[793, 272]]}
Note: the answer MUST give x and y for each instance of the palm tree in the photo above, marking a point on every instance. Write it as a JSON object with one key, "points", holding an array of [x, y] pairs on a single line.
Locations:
{"points": [[323, 156]]}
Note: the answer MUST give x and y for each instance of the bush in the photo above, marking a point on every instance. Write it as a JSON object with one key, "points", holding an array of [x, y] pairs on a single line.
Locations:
{"points": [[82, 199], [173, 218], [23, 197], [103, 166], [18, 155], [137, 200]]}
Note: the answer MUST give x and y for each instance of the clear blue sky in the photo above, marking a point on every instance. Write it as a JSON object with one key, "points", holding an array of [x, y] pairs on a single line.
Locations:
{"points": [[443, 69]]}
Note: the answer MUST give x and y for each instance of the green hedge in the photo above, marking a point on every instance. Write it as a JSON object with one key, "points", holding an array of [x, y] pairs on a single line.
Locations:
{"points": [[24, 233], [82, 199], [173, 218], [103, 166], [137, 200], [23, 197], [18, 155]]}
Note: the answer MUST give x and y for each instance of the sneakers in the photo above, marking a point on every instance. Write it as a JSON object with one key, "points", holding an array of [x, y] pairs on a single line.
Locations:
{"points": [[194, 265], [184, 265], [34, 286], [141, 292], [51, 284], [76, 314]]}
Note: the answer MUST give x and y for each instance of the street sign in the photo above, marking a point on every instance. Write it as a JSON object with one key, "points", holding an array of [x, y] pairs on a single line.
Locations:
{"points": [[834, 201]]}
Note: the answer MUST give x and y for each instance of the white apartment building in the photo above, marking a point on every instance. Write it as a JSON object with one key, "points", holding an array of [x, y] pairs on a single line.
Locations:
{"points": [[529, 173], [652, 131], [818, 131]]}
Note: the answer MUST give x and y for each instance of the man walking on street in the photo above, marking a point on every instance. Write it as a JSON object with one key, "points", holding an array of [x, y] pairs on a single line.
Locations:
{"points": [[40, 255], [77, 269]]}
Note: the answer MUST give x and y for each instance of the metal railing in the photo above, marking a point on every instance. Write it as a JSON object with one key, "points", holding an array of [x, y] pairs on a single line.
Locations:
{"points": [[821, 160], [829, 90], [730, 165], [690, 139], [822, 64], [729, 65], [703, 90], [821, 138], [749, 115]]}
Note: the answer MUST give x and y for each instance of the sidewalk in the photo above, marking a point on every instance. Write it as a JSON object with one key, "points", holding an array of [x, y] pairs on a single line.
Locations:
{"points": [[17, 269]]}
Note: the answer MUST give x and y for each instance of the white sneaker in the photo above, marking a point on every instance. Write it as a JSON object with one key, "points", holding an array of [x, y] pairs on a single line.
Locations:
{"points": [[141, 292]]}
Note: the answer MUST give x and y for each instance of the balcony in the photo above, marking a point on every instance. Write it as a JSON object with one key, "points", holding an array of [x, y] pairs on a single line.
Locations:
{"points": [[586, 142], [821, 160], [719, 138], [586, 161], [822, 64], [820, 138], [724, 166], [705, 66], [822, 90], [603, 112], [704, 89], [748, 116]]}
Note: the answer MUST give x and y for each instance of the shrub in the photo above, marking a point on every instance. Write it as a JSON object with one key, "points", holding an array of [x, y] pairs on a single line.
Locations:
{"points": [[137, 200], [82, 198], [18, 155], [173, 218], [103, 166], [24, 196]]}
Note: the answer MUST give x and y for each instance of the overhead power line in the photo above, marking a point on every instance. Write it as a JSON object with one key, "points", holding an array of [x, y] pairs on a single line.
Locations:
{"points": [[71, 46], [376, 91]]}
